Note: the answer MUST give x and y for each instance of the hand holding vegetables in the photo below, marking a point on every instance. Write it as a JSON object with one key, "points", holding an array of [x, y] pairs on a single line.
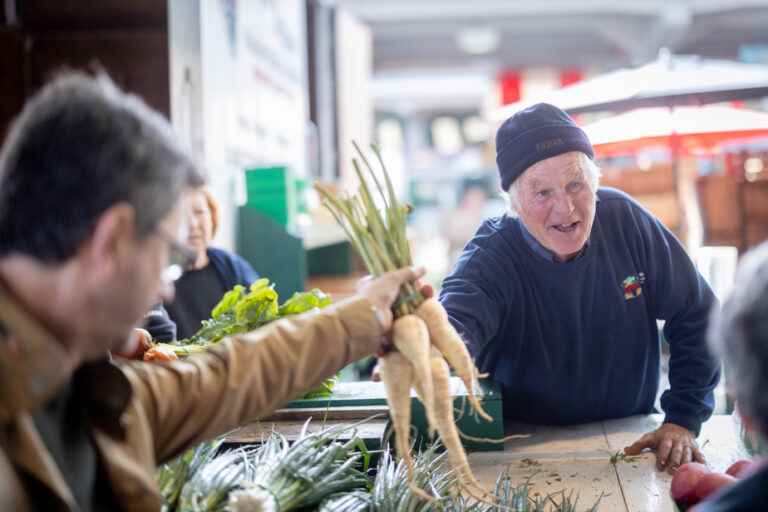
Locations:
{"points": [[424, 339], [382, 291], [674, 445], [138, 342]]}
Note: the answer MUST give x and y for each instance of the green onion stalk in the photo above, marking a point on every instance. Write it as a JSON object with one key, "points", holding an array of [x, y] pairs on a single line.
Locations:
{"points": [[378, 236], [172, 476], [355, 501], [209, 489], [314, 467], [512, 497], [395, 491]]}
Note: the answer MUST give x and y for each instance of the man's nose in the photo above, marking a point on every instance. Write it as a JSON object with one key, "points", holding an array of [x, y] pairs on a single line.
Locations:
{"points": [[564, 204]]}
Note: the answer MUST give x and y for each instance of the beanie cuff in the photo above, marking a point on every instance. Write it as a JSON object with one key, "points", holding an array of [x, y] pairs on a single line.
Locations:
{"points": [[538, 144]]}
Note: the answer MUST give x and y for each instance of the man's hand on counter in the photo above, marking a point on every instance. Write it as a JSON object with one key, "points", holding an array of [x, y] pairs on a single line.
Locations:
{"points": [[674, 445]]}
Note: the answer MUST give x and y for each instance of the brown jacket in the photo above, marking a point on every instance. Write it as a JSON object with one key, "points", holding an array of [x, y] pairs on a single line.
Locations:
{"points": [[141, 414]]}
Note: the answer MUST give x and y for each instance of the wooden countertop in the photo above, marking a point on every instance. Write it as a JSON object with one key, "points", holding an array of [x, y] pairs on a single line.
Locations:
{"points": [[578, 458]]}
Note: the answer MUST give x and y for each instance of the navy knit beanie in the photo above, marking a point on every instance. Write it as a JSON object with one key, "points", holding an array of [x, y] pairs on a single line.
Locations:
{"points": [[534, 134]]}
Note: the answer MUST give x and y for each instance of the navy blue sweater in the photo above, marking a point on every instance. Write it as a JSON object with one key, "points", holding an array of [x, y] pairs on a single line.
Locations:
{"points": [[578, 341], [232, 269], [199, 291]]}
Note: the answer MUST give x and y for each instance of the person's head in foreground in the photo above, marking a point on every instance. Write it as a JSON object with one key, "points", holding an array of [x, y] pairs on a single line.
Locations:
{"points": [[739, 335], [90, 181]]}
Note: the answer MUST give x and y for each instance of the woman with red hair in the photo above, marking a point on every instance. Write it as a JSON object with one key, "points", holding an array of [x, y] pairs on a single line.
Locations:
{"points": [[213, 272]]}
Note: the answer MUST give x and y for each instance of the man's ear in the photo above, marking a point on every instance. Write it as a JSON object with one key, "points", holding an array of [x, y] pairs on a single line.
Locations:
{"points": [[113, 237]]}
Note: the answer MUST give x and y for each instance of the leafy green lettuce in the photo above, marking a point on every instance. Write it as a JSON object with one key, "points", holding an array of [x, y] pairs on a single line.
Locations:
{"points": [[244, 309]]}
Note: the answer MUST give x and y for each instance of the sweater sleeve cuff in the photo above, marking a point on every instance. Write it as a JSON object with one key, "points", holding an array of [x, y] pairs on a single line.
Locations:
{"points": [[364, 328], [690, 422]]}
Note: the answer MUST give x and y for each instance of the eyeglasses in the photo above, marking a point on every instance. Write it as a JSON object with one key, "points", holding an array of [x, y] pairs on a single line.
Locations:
{"points": [[181, 257]]}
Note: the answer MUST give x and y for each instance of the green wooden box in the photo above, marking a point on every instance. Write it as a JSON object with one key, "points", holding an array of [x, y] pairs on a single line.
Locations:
{"points": [[272, 251], [273, 191], [367, 393], [276, 178]]}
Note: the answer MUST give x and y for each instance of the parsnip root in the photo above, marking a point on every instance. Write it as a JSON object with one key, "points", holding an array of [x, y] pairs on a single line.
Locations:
{"points": [[447, 428], [411, 337], [449, 343], [397, 373]]}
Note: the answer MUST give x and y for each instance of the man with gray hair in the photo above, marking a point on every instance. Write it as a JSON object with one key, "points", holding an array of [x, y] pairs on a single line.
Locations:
{"points": [[739, 334], [90, 238], [559, 299]]}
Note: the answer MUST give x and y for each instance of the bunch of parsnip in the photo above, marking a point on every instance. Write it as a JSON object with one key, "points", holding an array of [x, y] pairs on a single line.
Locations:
{"points": [[425, 341]]}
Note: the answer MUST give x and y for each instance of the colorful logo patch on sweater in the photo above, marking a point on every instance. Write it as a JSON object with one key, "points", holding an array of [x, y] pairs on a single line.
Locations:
{"points": [[632, 286]]}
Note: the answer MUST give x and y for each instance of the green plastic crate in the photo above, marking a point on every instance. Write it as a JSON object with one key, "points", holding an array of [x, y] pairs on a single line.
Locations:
{"points": [[367, 393], [275, 206], [268, 178], [272, 191], [272, 251]]}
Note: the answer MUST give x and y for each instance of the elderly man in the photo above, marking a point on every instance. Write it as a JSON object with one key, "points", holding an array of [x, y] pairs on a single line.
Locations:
{"points": [[90, 181], [558, 300], [740, 336]]}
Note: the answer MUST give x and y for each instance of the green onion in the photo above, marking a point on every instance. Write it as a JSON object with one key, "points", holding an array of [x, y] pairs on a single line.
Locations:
{"points": [[172, 476], [393, 491], [355, 501], [379, 237]]}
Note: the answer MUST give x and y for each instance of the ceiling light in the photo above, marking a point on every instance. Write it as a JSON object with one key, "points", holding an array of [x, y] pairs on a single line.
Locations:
{"points": [[478, 40]]}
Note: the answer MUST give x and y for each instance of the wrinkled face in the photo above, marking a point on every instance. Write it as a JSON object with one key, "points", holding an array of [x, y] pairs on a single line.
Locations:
{"points": [[557, 203], [199, 221]]}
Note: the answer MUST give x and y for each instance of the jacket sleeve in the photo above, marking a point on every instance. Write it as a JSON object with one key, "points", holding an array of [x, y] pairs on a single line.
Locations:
{"points": [[683, 299], [248, 376]]}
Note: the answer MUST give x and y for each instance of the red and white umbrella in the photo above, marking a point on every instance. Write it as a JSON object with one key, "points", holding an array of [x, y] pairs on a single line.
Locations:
{"points": [[685, 130], [668, 81]]}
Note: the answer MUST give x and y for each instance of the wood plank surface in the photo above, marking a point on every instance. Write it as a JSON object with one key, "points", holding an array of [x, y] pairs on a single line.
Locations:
{"points": [[578, 458], [570, 458], [586, 440], [586, 478], [646, 489]]}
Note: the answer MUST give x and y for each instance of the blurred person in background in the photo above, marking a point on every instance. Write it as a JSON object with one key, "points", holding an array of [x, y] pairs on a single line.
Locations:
{"points": [[740, 336], [213, 272], [80, 432], [559, 299]]}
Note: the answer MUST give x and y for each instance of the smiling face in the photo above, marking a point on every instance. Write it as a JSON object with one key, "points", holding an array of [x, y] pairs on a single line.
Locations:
{"points": [[557, 203]]}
